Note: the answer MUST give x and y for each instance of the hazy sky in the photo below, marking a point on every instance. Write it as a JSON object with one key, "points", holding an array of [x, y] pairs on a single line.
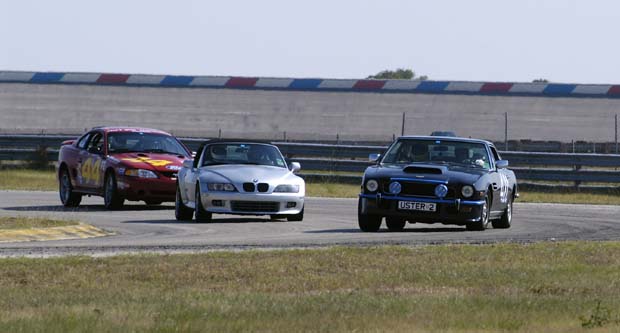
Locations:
{"points": [[486, 40]]}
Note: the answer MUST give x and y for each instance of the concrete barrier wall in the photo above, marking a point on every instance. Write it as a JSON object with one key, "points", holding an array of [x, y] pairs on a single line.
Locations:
{"points": [[303, 114]]}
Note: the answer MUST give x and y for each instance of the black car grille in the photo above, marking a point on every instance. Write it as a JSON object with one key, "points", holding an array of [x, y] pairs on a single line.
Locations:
{"points": [[263, 187], [255, 206], [250, 187], [418, 189]]}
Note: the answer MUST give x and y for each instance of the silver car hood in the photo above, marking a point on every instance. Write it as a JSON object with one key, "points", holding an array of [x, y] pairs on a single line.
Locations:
{"points": [[237, 173]]}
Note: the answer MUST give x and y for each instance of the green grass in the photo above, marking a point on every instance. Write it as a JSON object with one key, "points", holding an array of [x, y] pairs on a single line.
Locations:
{"points": [[544, 287], [576, 198], [44, 180], [30, 180], [31, 222]]}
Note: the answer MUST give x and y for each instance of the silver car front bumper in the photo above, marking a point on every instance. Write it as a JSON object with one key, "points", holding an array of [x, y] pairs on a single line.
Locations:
{"points": [[252, 203]]}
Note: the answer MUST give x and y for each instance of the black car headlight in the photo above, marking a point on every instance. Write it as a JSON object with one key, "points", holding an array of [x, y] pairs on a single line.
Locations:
{"points": [[467, 191]]}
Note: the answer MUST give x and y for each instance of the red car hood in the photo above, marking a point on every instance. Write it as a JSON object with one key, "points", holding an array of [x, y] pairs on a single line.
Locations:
{"points": [[151, 161]]}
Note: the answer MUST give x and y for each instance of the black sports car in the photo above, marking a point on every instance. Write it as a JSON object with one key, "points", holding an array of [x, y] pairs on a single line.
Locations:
{"points": [[433, 179]]}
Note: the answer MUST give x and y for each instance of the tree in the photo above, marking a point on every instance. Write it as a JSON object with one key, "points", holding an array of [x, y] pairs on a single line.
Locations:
{"points": [[541, 80], [400, 73]]}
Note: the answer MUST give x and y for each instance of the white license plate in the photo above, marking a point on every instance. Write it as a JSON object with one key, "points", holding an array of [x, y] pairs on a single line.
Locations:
{"points": [[413, 205]]}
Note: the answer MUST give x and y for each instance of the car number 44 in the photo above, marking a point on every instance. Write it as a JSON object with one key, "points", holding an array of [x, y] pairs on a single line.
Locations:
{"points": [[412, 205]]}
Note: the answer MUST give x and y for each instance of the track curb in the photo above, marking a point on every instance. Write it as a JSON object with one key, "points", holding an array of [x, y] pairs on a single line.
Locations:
{"points": [[55, 233]]}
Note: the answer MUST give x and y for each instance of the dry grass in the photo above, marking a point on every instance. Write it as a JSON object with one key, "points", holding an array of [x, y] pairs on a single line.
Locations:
{"points": [[455, 288], [32, 222], [29, 180]]}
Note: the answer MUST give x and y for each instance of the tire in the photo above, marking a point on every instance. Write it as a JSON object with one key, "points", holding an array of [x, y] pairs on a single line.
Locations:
{"points": [[201, 214], [484, 218], [395, 223], [367, 223], [112, 200], [182, 212], [65, 190], [505, 221], [296, 217]]}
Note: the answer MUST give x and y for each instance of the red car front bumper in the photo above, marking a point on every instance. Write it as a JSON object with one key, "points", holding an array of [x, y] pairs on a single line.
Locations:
{"points": [[142, 189]]}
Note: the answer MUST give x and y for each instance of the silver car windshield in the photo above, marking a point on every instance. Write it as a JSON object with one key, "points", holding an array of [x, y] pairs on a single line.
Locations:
{"points": [[466, 154], [242, 153], [139, 142]]}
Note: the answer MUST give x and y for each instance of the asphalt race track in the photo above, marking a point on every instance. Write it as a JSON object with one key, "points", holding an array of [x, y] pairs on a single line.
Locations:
{"points": [[327, 222]]}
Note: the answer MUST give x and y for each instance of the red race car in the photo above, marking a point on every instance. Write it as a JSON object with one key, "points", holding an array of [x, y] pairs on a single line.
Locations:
{"points": [[120, 163]]}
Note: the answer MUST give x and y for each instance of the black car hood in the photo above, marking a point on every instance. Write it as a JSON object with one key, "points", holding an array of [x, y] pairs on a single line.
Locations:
{"points": [[453, 174]]}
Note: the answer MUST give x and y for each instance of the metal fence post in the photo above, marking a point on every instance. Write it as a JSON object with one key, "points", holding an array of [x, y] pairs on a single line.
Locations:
{"points": [[616, 133], [402, 129], [505, 131]]}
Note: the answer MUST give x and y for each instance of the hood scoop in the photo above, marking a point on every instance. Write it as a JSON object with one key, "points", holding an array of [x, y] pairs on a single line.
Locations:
{"points": [[423, 169]]}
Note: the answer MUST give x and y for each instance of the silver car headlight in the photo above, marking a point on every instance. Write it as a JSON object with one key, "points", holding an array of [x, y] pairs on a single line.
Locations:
{"points": [[286, 188], [140, 173], [467, 191], [372, 185], [221, 187]]}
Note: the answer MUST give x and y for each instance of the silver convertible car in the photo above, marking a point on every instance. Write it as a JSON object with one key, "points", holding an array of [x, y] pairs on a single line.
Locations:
{"points": [[241, 178]]}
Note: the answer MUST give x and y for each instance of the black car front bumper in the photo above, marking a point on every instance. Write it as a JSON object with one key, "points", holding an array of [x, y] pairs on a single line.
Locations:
{"points": [[449, 211]]}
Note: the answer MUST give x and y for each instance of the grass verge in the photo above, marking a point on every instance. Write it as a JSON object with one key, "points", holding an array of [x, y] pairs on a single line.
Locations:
{"points": [[545, 287], [11, 223], [44, 180], [29, 180]]}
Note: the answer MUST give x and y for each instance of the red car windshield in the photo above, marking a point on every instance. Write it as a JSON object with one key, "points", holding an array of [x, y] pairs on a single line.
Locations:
{"points": [[139, 142]]}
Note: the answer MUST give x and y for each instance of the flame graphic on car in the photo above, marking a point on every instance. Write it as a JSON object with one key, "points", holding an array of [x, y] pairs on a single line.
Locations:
{"points": [[155, 163]]}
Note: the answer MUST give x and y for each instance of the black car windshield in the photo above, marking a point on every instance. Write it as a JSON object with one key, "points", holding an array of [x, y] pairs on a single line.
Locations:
{"points": [[242, 153], [139, 142], [461, 153]]}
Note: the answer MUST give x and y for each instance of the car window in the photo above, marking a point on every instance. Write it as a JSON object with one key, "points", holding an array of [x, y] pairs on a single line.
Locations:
{"points": [[96, 143], [495, 154], [406, 151], [242, 153], [83, 141]]}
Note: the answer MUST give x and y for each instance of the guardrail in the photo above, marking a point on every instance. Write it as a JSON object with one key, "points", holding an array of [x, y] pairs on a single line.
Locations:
{"points": [[528, 166]]}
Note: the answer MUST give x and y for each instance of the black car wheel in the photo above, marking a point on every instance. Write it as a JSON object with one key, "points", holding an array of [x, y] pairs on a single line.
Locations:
{"points": [[65, 189], [505, 221], [111, 198], [395, 223], [296, 217], [367, 223], [182, 212], [484, 218], [202, 215]]}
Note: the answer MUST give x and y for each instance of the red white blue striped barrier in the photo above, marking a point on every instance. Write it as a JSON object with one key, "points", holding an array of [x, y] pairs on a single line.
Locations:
{"points": [[376, 86]]}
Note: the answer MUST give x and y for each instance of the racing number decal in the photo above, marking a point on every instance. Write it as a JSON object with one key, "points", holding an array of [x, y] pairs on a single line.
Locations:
{"points": [[503, 194], [91, 171]]}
